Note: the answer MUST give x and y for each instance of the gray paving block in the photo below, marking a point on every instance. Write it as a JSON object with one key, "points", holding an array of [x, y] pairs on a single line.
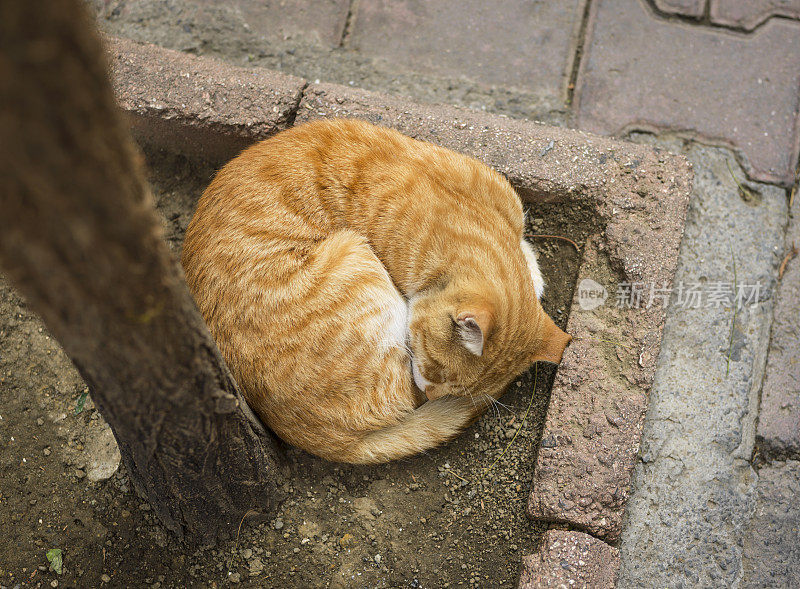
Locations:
{"points": [[694, 487], [196, 24], [643, 72], [748, 14], [778, 433], [511, 43], [772, 540]]}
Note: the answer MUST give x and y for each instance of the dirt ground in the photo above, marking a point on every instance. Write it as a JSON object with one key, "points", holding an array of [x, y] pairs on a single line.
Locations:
{"points": [[453, 517]]}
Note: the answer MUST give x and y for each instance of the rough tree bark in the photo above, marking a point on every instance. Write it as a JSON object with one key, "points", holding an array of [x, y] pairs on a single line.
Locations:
{"points": [[79, 236]]}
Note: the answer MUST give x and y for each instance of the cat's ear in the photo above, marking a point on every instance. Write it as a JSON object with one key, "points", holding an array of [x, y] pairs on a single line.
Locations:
{"points": [[554, 341], [474, 328]]}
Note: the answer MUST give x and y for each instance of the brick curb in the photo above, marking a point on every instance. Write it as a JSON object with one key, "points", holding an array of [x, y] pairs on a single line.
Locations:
{"points": [[199, 106], [570, 559], [637, 195]]}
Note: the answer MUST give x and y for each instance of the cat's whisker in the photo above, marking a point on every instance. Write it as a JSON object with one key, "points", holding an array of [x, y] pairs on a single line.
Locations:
{"points": [[503, 405], [495, 410], [494, 404]]}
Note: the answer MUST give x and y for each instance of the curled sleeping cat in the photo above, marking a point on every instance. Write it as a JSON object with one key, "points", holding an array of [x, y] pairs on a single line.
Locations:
{"points": [[371, 293]]}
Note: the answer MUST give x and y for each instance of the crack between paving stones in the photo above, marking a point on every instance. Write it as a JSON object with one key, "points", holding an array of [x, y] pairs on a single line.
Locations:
{"points": [[572, 527], [706, 10], [556, 524], [576, 60], [349, 21], [693, 136], [705, 21]]}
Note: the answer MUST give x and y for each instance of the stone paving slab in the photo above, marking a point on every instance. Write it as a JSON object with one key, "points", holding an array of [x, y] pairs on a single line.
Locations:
{"points": [[570, 559], [772, 540], [695, 487], [510, 43], [643, 72], [594, 420], [778, 434], [748, 14], [313, 21], [198, 106], [693, 8]]}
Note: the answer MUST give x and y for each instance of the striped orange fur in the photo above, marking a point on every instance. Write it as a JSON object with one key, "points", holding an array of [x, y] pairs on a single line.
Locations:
{"points": [[371, 293]]}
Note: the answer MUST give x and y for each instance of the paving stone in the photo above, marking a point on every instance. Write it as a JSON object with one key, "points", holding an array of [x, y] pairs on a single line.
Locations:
{"points": [[510, 43], [571, 559], [778, 433], [748, 14], [598, 401], [639, 71], [694, 488], [185, 23], [772, 540], [693, 8], [198, 106]]}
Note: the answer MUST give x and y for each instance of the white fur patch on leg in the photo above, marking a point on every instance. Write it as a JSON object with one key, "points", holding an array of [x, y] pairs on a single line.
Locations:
{"points": [[533, 265], [398, 321]]}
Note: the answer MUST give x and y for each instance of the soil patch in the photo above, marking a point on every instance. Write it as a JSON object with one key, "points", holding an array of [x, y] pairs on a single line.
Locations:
{"points": [[437, 520]]}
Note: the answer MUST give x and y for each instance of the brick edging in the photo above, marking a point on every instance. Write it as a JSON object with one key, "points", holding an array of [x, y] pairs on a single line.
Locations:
{"points": [[638, 194]]}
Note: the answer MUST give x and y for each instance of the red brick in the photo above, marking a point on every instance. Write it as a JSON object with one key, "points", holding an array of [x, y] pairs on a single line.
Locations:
{"points": [[570, 559], [639, 196], [198, 106], [770, 550], [778, 433], [642, 72], [748, 14], [511, 43], [693, 8]]}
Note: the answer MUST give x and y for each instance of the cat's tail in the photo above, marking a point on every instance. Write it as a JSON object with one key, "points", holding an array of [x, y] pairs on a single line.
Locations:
{"points": [[428, 426]]}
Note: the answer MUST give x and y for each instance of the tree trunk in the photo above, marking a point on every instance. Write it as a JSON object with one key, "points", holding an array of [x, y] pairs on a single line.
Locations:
{"points": [[79, 236]]}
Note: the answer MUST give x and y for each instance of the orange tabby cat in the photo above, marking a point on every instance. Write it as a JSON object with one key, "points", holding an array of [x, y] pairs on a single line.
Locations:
{"points": [[348, 273]]}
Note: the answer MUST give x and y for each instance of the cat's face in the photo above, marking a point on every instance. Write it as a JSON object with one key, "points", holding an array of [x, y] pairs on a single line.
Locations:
{"points": [[468, 344]]}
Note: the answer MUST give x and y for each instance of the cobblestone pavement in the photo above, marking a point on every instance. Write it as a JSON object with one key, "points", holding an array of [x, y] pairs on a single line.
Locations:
{"points": [[715, 494]]}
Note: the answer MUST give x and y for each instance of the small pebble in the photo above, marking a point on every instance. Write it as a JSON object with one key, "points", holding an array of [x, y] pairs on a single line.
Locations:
{"points": [[234, 577], [105, 578]]}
